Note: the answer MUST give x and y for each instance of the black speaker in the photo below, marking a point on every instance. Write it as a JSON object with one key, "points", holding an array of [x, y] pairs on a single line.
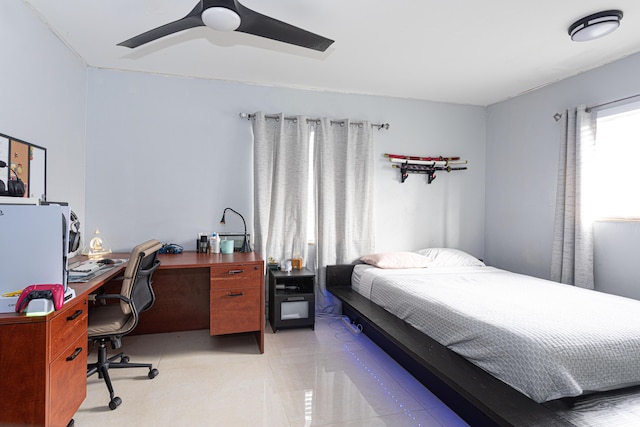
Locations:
{"points": [[74, 232]]}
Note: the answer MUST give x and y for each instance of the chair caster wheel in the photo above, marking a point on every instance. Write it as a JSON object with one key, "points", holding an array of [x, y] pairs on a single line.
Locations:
{"points": [[124, 359], [115, 402], [153, 373]]}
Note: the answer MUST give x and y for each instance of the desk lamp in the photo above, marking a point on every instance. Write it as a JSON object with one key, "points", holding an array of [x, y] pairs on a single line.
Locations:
{"points": [[245, 244]]}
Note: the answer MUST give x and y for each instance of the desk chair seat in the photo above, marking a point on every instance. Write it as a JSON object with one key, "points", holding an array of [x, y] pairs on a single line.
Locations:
{"points": [[117, 314]]}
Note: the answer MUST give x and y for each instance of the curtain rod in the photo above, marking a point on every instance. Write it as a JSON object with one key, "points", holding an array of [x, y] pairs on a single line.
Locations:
{"points": [[588, 109], [558, 116], [249, 116]]}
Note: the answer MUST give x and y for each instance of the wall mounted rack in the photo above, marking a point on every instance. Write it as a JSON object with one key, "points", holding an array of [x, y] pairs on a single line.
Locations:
{"points": [[425, 165]]}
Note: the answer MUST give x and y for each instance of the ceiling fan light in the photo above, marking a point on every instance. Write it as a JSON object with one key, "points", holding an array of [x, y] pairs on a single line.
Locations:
{"points": [[221, 19], [595, 26]]}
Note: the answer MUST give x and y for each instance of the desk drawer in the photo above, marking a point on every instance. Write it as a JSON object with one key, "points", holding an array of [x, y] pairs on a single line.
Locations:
{"points": [[235, 275], [68, 325], [68, 382], [234, 310]]}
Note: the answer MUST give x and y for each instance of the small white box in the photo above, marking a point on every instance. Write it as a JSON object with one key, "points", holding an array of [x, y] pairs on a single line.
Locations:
{"points": [[39, 307], [8, 304]]}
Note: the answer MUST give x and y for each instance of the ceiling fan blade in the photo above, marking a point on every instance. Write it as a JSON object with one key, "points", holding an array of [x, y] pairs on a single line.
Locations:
{"points": [[193, 19], [264, 26], [251, 22]]}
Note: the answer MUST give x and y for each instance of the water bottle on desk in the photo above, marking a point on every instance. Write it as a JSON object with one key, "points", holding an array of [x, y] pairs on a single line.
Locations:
{"points": [[215, 243]]}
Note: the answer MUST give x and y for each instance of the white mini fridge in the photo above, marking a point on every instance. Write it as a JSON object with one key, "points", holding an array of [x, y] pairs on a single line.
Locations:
{"points": [[33, 248]]}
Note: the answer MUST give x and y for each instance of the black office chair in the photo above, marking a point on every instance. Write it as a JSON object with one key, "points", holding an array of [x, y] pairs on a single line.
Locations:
{"points": [[111, 321]]}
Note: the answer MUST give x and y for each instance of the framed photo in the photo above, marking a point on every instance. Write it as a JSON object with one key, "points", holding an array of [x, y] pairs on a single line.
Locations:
{"points": [[28, 162]]}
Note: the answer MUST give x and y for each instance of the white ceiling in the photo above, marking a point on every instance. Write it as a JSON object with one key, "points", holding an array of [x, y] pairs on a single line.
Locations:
{"points": [[460, 51]]}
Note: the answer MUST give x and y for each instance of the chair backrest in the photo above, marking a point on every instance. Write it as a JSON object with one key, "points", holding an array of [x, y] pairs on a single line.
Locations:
{"points": [[136, 285]]}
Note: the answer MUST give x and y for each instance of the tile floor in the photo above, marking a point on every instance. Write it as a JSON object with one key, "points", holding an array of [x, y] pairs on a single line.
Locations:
{"points": [[322, 377]]}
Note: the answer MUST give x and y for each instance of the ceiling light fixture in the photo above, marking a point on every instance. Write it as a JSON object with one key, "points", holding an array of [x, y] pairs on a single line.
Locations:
{"points": [[595, 26], [221, 19]]}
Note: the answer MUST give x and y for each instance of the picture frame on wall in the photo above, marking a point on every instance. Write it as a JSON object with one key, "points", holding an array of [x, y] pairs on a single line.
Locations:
{"points": [[28, 161]]}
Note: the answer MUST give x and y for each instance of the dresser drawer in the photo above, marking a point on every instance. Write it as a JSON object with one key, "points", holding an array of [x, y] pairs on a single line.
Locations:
{"points": [[234, 310], [231, 275], [68, 326], [68, 382]]}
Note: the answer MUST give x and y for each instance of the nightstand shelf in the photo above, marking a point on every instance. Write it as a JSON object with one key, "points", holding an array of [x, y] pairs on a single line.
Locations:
{"points": [[291, 299]]}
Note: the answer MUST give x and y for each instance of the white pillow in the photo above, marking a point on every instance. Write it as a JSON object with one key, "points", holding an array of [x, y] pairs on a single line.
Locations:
{"points": [[447, 257], [396, 260]]}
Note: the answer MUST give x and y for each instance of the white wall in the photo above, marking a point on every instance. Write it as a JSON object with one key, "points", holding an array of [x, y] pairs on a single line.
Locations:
{"points": [[166, 155], [522, 156], [43, 99]]}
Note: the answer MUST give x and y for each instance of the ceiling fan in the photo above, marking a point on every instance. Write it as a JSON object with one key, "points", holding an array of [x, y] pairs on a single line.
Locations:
{"points": [[230, 15]]}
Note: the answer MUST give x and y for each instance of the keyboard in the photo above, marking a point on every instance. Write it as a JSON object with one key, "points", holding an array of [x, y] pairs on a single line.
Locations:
{"points": [[85, 269]]}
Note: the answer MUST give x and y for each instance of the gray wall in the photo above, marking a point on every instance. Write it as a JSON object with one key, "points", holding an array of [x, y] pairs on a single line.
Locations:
{"points": [[521, 167], [153, 156], [43, 89], [166, 155]]}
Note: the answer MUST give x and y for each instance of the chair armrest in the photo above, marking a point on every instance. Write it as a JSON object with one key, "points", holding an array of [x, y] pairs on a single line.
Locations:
{"points": [[151, 269], [104, 297]]}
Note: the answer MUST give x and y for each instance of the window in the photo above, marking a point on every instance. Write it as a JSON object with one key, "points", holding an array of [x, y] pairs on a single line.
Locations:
{"points": [[617, 174], [311, 201]]}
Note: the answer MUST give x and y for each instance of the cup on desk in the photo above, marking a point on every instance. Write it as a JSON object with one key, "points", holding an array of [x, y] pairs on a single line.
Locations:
{"points": [[285, 266], [226, 246]]}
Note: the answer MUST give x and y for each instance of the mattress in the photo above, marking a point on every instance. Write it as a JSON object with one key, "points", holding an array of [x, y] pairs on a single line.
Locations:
{"points": [[545, 339]]}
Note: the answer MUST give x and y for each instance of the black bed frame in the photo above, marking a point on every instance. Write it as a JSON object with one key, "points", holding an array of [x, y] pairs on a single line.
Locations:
{"points": [[476, 396]]}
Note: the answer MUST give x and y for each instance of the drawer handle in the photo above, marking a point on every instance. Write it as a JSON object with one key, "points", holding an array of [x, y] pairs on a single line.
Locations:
{"points": [[75, 354], [236, 271], [238, 294], [75, 315]]}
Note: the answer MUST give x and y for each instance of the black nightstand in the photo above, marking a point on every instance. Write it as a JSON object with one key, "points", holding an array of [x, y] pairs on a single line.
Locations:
{"points": [[291, 299]]}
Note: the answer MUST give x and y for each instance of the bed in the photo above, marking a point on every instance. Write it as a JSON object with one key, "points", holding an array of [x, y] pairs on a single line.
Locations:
{"points": [[518, 338]]}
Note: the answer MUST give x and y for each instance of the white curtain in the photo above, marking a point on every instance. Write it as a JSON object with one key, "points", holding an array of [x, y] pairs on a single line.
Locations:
{"points": [[281, 171], [343, 177], [572, 254], [344, 198]]}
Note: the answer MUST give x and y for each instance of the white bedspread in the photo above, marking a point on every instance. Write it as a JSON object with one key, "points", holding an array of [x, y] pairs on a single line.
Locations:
{"points": [[545, 339]]}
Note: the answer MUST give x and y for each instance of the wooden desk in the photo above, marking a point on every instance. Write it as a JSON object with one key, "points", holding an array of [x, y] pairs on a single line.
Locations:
{"points": [[220, 292], [43, 360]]}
